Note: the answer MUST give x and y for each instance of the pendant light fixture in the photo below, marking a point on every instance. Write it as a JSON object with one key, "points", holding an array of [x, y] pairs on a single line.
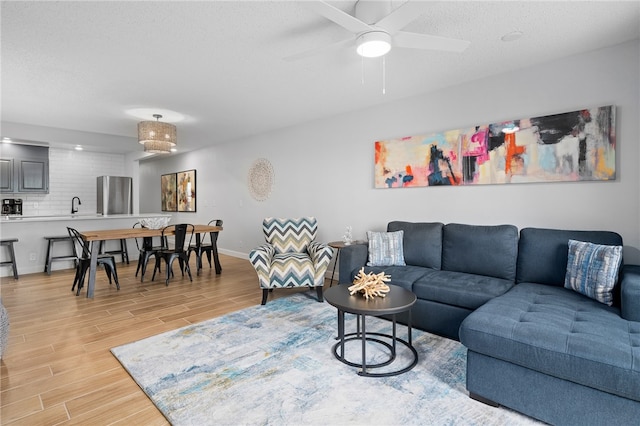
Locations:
{"points": [[156, 136]]}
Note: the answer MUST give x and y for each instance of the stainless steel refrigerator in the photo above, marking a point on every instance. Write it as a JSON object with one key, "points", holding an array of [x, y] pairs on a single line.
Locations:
{"points": [[115, 195]]}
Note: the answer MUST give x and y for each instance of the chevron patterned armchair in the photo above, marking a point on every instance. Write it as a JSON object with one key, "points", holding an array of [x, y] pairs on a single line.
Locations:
{"points": [[290, 257]]}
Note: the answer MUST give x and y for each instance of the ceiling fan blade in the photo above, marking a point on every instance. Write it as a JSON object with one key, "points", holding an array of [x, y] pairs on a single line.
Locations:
{"points": [[336, 15], [402, 16], [317, 51], [429, 42]]}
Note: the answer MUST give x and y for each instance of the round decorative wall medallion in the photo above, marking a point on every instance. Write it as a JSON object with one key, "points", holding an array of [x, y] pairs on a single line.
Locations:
{"points": [[261, 179]]}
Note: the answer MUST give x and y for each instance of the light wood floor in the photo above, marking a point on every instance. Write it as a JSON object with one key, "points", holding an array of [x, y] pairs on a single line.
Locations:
{"points": [[58, 368]]}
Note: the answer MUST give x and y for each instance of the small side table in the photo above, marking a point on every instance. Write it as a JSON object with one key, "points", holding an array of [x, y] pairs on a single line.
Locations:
{"points": [[338, 245], [396, 301]]}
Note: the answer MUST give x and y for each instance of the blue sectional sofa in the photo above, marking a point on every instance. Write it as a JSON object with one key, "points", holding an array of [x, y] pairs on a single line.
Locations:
{"points": [[453, 269], [533, 345]]}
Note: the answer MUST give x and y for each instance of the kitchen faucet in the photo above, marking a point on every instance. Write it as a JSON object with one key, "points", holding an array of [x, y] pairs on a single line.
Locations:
{"points": [[74, 209]]}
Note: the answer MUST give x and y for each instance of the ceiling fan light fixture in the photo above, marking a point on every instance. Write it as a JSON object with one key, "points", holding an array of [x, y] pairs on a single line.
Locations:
{"points": [[510, 127], [373, 44], [156, 136]]}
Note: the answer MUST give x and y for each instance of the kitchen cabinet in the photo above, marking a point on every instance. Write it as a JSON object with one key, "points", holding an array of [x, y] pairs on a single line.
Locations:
{"points": [[34, 175], [6, 174], [24, 169]]}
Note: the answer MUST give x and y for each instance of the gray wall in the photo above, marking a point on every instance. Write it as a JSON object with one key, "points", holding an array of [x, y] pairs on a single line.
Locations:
{"points": [[325, 168]]}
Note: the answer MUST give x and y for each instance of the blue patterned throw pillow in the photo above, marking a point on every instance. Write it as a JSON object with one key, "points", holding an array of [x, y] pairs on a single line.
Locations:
{"points": [[592, 270], [385, 248]]}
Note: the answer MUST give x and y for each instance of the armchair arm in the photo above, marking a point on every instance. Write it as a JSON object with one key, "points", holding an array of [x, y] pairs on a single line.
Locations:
{"points": [[321, 255], [261, 258], [630, 292], [352, 257]]}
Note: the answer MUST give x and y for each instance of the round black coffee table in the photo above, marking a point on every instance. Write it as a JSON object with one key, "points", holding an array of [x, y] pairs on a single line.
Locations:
{"points": [[396, 301]]}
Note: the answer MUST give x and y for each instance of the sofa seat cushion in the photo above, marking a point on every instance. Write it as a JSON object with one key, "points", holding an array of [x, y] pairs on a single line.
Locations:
{"points": [[460, 289], [561, 333], [403, 276], [291, 270]]}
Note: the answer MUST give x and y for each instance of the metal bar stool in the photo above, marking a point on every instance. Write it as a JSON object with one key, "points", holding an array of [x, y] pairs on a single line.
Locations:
{"points": [[51, 258], [8, 242], [122, 252]]}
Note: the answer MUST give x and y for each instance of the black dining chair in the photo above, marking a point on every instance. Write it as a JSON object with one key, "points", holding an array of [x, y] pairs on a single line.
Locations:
{"points": [[183, 233], [208, 247], [146, 250], [83, 253]]}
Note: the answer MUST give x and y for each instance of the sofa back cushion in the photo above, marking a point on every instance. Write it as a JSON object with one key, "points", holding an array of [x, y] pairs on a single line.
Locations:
{"points": [[484, 250], [543, 253], [422, 243]]}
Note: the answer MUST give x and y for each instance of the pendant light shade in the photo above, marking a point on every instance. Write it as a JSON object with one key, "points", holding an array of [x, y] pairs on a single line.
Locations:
{"points": [[156, 136]]}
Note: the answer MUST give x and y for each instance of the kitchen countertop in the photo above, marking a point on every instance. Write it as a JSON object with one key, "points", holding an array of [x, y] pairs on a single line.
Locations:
{"points": [[5, 219]]}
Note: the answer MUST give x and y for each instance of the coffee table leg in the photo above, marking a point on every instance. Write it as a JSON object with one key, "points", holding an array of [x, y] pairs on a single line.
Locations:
{"points": [[341, 332], [409, 328], [364, 345], [394, 335]]}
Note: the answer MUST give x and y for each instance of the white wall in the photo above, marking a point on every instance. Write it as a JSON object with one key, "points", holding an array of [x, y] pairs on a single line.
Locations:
{"points": [[325, 168]]}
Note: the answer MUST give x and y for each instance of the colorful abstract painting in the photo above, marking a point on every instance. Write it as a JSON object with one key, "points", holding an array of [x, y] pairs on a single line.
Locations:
{"points": [[572, 146]]}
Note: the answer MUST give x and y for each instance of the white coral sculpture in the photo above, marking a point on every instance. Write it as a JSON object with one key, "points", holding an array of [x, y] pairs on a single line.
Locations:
{"points": [[347, 237], [370, 285]]}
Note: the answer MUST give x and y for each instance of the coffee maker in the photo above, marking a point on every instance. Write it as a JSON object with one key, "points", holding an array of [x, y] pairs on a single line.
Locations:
{"points": [[12, 206]]}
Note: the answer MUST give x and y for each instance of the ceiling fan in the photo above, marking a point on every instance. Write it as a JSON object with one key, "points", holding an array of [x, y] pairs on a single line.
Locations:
{"points": [[376, 26]]}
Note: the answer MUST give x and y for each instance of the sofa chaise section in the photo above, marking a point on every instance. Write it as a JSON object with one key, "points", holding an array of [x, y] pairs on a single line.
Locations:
{"points": [[550, 352]]}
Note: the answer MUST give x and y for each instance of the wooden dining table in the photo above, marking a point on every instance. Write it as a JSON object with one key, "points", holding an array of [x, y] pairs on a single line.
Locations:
{"points": [[95, 237]]}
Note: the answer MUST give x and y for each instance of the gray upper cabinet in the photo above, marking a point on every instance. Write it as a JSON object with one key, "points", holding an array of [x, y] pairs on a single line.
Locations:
{"points": [[6, 174], [34, 175], [24, 168]]}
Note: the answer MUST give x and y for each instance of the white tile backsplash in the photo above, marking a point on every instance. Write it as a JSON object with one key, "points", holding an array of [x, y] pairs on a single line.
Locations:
{"points": [[72, 173]]}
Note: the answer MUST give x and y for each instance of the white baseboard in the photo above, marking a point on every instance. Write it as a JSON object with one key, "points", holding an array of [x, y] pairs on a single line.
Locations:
{"points": [[7, 273], [233, 253]]}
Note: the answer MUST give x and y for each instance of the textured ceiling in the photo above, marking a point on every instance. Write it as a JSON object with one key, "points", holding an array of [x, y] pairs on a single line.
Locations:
{"points": [[81, 65]]}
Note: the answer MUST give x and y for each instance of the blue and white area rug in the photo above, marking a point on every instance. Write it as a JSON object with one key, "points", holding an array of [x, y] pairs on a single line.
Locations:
{"points": [[274, 365]]}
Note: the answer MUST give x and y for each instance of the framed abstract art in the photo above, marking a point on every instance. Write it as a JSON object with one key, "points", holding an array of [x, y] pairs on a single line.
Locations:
{"points": [[186, 188], [168, 192]]}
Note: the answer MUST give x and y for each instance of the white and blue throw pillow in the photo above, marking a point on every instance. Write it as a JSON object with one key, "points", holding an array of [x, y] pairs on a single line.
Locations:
{"points": [[592, 270], [385, 248]]}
